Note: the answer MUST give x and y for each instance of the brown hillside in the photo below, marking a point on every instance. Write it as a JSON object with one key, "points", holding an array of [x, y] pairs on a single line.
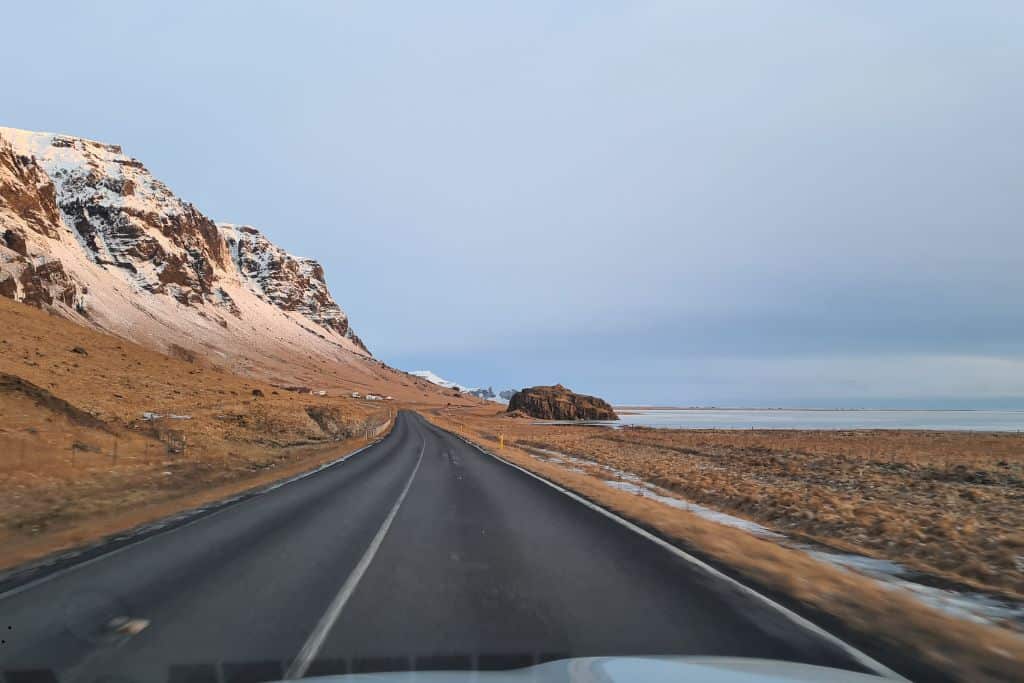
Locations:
{"points": [[78, 458]]}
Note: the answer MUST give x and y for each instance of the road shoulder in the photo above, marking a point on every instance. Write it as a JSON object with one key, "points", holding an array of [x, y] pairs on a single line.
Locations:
{"points": [[916, 641]]}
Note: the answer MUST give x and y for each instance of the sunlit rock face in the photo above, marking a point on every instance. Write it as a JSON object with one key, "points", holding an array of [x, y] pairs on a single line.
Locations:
{"points": [[89, 233]]}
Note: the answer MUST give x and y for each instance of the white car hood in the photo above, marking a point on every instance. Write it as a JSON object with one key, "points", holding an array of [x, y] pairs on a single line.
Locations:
{"points": [[628, 670]]}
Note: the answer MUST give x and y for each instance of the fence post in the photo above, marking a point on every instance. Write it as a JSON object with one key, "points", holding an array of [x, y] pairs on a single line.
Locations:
{"points": [[115, 451], [21, 462]]}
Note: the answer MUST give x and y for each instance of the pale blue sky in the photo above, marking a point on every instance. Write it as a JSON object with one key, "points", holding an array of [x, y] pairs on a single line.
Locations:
{"points": [[731, 203]]}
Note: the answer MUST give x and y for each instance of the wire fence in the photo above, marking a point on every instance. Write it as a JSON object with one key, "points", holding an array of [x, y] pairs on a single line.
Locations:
{"points": [[42, 453], [373, 431]]}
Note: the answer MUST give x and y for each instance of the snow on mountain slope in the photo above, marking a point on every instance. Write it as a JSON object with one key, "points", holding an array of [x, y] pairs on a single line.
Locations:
{"points": [[87, 232], [487, 393], [440, 381], [114, 211], [289, 282]]}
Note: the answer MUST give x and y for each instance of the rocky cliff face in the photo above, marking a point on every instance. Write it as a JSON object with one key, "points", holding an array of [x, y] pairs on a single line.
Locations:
{"points": [[89, 233], [558, 403], [289, 282], [120, 216]]}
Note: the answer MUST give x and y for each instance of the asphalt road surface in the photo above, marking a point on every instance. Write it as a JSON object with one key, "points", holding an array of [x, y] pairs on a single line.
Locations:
{"points": [[420, 552]]}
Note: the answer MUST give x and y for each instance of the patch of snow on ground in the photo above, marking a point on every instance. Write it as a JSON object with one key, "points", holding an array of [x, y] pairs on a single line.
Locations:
{"points": [[648, 491], [972, 606]]}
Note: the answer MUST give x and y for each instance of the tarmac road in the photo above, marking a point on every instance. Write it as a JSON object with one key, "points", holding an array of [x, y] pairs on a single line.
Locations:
{"points": [[420, 552]]}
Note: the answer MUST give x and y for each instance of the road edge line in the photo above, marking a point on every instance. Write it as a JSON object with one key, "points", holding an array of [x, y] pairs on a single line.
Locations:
{"points": [[860, 657], [162, 526], [316, 638]]}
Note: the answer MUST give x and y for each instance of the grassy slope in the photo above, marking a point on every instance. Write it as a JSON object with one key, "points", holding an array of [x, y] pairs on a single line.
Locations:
{"points": [[77, 459]]}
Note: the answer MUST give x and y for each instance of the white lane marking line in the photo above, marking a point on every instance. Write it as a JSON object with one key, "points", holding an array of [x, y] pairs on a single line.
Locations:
{"points": [[224, 504], [867, 661], [316, 638]]}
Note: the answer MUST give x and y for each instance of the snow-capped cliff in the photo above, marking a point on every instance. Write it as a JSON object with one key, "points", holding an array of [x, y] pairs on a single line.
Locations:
{"points": [[289, 282], [89, 233]]}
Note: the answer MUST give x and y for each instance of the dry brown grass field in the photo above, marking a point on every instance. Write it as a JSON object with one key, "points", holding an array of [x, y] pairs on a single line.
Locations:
{"points": [[949, 504], [78, 458], [881, 491]]}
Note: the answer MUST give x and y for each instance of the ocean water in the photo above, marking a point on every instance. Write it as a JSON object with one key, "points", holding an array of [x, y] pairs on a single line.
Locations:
{"points": [[961, 420]]}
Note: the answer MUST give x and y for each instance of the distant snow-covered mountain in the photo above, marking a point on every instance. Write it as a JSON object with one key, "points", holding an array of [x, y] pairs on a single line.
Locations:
{"points": [[487, 393], [435, 379]]}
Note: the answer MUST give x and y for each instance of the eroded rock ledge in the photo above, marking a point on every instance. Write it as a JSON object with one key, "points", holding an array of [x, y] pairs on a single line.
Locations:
{"points": [[558, 403]]}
